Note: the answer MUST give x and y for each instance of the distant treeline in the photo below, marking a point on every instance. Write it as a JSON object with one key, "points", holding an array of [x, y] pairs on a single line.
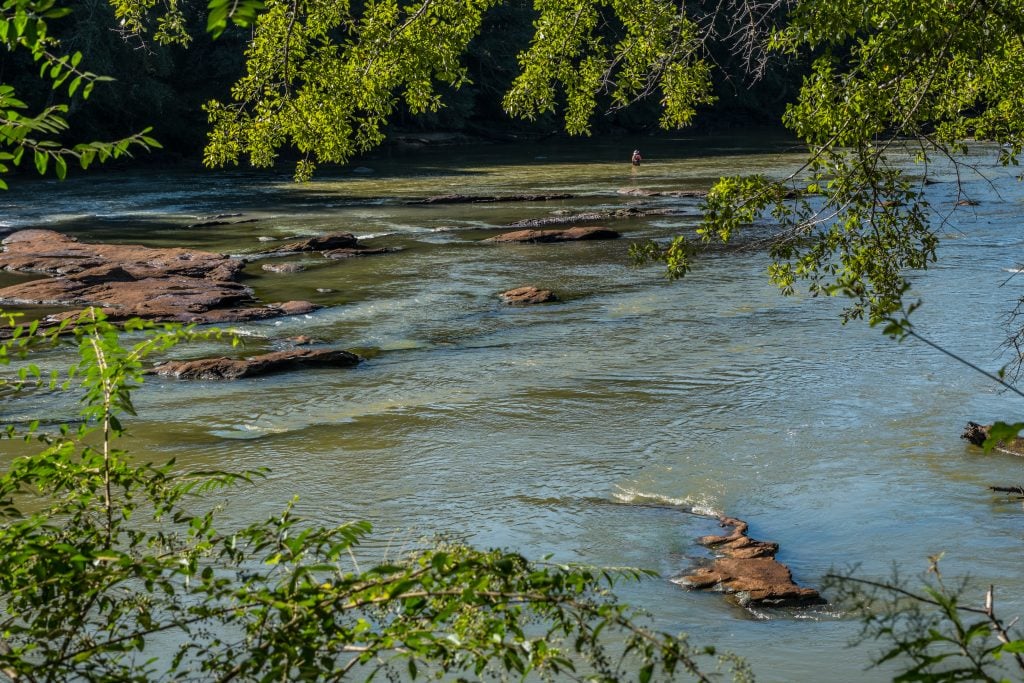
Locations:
{"points": [[166, 86]]}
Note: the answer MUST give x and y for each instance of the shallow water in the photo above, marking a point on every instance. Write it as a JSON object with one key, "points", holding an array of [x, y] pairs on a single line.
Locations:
{"points": [[538, 428]]}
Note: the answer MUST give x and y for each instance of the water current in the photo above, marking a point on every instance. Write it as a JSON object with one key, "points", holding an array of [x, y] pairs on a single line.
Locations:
{"points": [[540, 428]]}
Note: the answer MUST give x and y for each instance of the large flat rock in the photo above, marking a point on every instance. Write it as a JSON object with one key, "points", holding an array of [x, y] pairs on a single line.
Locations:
{"points": [[237, 368], [568, 235], [746, 569], [159, 284]]}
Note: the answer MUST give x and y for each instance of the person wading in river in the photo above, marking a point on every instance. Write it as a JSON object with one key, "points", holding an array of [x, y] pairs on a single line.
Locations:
{"points": [[636, 158]]}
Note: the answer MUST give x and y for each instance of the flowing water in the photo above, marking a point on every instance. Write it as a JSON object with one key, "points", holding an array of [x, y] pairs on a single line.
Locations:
{"points": [[540, 429]]}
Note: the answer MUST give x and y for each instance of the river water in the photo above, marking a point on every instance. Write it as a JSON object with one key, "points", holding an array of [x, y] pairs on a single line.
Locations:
{"points": [[539, 429]]}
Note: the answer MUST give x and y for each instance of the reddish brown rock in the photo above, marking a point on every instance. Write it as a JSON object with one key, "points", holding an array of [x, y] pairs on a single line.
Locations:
{"points": [[521, 296], [53, 253], [236, 368], [747, 570], [164, 285], [569, 235]]}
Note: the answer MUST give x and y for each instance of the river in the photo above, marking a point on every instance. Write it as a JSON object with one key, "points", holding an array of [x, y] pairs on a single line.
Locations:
{"points": [[539, 428]]}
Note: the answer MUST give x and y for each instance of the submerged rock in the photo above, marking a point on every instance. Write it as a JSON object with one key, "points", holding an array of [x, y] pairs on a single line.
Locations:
{"points": [[237, 368], [335, 245], [588, 217], [641, 192], [521, 296], [486, 199], [747, 570], [568, 235], [334, 240], [159, 284], [290, 267], [361, 251]]}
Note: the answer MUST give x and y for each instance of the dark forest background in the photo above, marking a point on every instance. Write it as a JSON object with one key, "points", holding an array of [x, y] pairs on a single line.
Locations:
{"points": [[166, 86]]}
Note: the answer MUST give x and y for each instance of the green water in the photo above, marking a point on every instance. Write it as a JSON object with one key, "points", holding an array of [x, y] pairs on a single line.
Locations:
{"points": [[536, 428]]}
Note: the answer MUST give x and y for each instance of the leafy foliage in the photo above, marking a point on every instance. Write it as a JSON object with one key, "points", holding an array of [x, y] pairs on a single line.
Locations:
{"points": [[942, 639], [24, 27], [325, 77], [104, 561], [890, 79]]}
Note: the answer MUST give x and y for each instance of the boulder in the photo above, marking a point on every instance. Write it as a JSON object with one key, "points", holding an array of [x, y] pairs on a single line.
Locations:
{"points": [[746, 569], [521, 296], [569, 235], [237, 368]]}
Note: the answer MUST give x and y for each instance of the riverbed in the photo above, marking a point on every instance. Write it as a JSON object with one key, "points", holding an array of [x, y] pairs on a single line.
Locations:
{"points": [[611, 426]]}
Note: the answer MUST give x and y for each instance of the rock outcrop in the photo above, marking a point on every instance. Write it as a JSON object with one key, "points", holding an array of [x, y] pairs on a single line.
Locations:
{"points": [[159, 284], [523, 296], [747, 570], [237, 368], [568, 235]]}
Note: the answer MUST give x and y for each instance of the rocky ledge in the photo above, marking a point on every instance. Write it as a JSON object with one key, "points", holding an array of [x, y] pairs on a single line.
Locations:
{"points": [[569, 235], [159, 284], [747, 570], [236, 368]]}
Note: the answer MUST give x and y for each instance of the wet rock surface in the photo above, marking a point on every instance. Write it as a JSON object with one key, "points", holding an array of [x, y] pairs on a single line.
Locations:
{"points": [[487, 199], [336, 245], [589, 217], [641, 192], [568, 235], [237, 368], [525, 296], [291, 267], [747, 570], [159, 284]]}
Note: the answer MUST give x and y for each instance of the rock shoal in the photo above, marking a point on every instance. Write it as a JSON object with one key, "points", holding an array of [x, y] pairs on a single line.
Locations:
{"points": [[158, 284], [747, 570]]}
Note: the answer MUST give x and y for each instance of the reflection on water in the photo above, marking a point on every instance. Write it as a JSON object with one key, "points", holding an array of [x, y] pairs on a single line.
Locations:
{"points": [[591, 428]]}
